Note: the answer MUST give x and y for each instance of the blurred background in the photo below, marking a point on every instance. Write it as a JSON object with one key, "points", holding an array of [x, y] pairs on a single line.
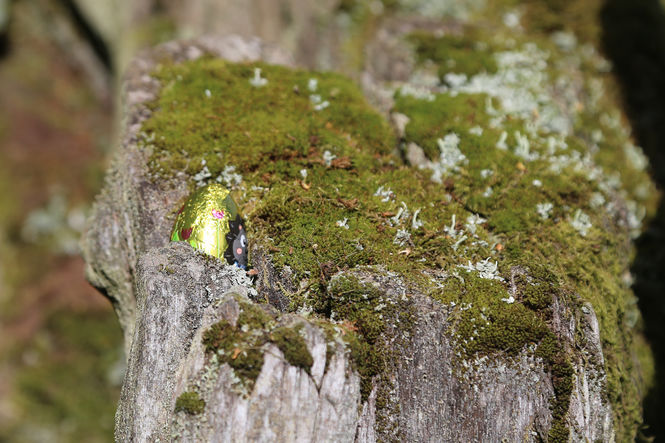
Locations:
{"points": [[61, 358], [61, 361]]}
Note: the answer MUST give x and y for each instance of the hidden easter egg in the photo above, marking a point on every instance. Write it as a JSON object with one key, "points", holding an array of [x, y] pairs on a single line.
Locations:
{"points": [[210, 221]]}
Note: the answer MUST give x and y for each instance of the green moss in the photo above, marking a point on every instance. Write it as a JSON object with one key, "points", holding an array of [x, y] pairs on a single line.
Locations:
{"points": [[525, 236], [271, 133], [562, 381], [430, 121], [538, 292], [293, 346], [489, 324], [461, 54], [236, 348], [485, 324], [166, 268], [190, 403], [578, 16], [253, 317], [241, 346], [365, 311], [251, 127], [355, 302], [368, 361]]}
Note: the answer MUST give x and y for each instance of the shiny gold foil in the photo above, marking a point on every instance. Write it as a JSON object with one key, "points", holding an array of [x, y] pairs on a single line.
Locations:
{"points": [[203, 221]]}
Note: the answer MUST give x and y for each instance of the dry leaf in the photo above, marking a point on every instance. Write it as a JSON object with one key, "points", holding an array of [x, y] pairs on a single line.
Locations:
{"points": [[349, 204], [341, 163]]}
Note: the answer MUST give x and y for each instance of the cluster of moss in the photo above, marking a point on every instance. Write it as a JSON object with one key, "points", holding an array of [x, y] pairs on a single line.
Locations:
{"points": [[293, 346], [272, 133], [268, 131], [349, 299], [485, 325], [242, 346], [309, 191], [462, 54], [368, 315], [190, 402]]}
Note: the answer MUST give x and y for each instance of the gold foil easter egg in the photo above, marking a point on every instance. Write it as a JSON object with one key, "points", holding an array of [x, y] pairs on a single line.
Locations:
{"points": [[210, 221]]}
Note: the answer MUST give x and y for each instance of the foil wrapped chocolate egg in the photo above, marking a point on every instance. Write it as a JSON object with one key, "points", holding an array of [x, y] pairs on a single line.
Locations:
{"points": [[210, 221]]}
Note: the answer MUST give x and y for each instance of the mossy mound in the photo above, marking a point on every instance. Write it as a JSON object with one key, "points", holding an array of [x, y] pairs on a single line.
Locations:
{"points": [[209, 111], [503, 188]]}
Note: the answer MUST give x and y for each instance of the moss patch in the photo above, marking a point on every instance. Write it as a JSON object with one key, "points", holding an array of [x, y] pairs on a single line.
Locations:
{"points": [[485, 324], [190, 403], [355, 302], [242, 346], [322, 190], [271, 134], [461, 54], [237, 349], [584, 264], [271, 128], [293, 346]]}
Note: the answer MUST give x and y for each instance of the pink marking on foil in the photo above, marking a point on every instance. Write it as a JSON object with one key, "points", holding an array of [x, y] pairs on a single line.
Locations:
{"points": [[218, 214]]}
